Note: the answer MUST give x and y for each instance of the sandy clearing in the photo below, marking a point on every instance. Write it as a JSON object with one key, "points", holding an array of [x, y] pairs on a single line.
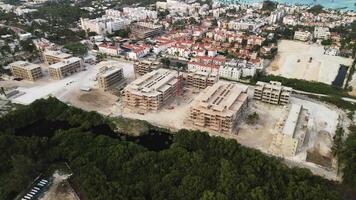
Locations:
{"points": [[60, 189], [293, 61]]}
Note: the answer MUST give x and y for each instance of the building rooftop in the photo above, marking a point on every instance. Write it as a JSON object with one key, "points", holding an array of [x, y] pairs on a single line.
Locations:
{"points": [[65, 62], [292, 120], [107, 71], [58, 54], [153, 83], [223, 99], [24, 64]]}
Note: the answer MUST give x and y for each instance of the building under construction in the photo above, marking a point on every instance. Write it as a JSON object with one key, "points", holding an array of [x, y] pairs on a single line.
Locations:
{"points": [[26, 70], [145, 66], [272, 92], [109, 77], [52, 57], [293, 129], [201, 79], [144, 30], [65, 68], [219, 107], [152, 90]]}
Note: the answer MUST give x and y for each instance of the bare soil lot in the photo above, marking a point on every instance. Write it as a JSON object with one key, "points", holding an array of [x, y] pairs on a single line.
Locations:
{"points": [[305, 61]]}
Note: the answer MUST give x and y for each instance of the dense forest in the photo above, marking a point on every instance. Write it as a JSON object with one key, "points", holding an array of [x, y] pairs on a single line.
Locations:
{"points": [[194, 165]]}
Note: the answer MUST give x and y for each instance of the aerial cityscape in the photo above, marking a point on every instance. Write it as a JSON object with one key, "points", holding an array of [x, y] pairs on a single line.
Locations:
{"points": [[177, 99]]}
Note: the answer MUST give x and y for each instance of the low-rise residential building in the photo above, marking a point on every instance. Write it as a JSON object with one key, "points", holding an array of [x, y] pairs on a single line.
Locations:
{"points": [[143, 67], [108, 49], [219, 107], [192, 66], [302, 35], [109, 77], [321, 33], [151, 91], [52, 57], [235, 69], [272, 92], [26, 70], [65, 68], [201, 79], [289, 141]]}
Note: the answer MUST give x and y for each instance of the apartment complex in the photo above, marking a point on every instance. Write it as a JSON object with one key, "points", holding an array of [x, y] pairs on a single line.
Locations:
{"points": [[65, 68], [273, 92], [302, 35], [151, 91], [201, 79], [290, 139], [26, 70], [143, 30], [52, 57], [145, 66], [109, 77], [219, 107]]}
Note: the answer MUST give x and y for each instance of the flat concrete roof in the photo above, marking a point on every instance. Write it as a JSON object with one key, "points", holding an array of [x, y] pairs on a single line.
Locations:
{"points": [[24, 65], [292, 120], [65, 62], [223, 99], [57, 54]]}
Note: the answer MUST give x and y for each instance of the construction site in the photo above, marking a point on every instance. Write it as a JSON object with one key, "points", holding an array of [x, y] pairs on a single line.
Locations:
{"points": [[287, 126]]}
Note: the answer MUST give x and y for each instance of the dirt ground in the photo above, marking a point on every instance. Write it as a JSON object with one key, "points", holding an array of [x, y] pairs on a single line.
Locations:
{"points": [[94, 100], [293, 61], [259, 136], [60, 189]]}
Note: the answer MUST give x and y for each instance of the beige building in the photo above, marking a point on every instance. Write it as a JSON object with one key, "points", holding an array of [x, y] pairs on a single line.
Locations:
{"points": [[151, 91], [201, 79], [145, 66], [109, 77], [272, 92], [26, 70], [289, 140], [52, 57], [143, 29], [219, 107], [65, 68]]}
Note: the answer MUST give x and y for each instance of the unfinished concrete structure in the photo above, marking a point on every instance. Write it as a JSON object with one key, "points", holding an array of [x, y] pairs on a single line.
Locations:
{"points": [[151, 91], [26, 70], [219, 107], [145, 66], [201, 79], [272, 92], [290, 138], [65, 68], [143, 29], [109, 77], [52, 57]]}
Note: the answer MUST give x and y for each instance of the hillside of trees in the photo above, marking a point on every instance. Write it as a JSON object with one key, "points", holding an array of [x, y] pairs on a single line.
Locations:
{"points": [[194, 166]]}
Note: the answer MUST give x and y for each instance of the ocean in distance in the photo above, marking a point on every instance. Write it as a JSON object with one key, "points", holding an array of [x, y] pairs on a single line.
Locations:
{"points": [[334, 4]]}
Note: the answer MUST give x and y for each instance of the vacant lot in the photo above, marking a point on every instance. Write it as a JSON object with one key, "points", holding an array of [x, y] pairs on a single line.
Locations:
{"points": [[303, 61]]}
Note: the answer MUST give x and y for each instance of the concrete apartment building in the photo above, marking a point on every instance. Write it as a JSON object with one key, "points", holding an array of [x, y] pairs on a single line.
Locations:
{"points": [[289, 141], [109, 77], [302, 35], [145, 66], [65, 68], [219, 107], [200, 79], [273, 93], [52, 57], [144, 30], [26, 70], [151, 91]]}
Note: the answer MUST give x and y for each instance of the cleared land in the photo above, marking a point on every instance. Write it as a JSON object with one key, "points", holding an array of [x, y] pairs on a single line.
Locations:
{"points": [[304, 61], [60, 189]]}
